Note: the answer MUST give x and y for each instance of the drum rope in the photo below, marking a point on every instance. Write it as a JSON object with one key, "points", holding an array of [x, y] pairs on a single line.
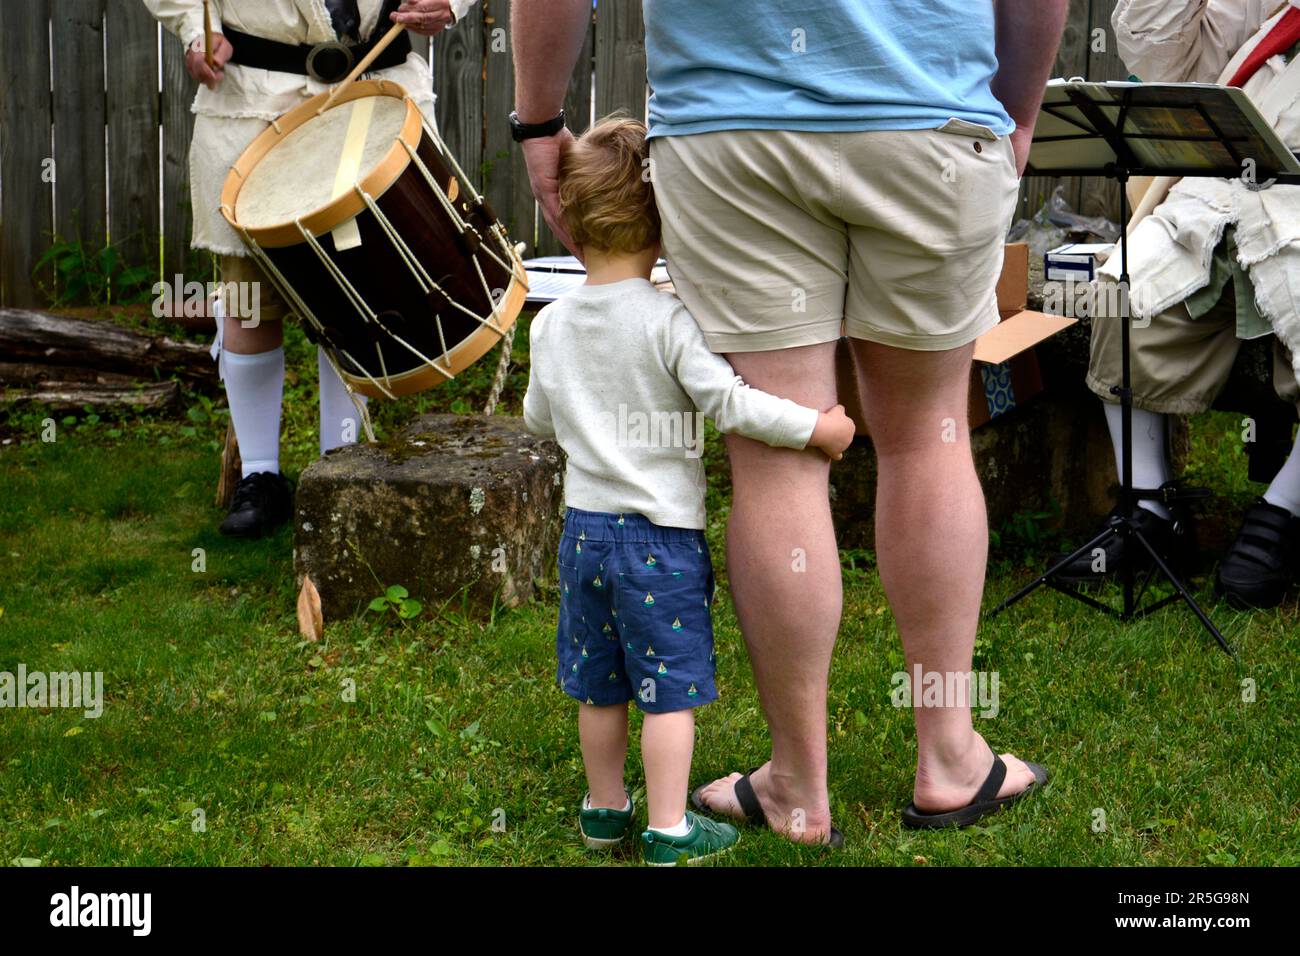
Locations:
{"points": [[467, 184], [359, 302], [447, 155], [363, 411], [503, 371], [450, 208], [442, 337], [422, 277], [305, 313], [492, 298]]}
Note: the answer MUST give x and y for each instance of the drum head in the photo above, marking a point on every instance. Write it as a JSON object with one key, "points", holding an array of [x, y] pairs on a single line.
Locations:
{"points": [[319, 161]]}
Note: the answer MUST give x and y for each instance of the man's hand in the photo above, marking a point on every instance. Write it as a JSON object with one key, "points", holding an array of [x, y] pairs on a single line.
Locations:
{"points": [[197, 65], [425, 17], [1021, 141], [543, 158], [546, 36], [833, 433]]}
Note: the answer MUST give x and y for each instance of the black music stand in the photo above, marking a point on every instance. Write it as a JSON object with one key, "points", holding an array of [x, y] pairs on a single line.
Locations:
{"points": [[1120, 130]]}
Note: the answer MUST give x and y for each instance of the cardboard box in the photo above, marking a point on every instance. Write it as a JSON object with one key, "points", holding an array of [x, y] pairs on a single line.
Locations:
{"points": [[1005, 370]]}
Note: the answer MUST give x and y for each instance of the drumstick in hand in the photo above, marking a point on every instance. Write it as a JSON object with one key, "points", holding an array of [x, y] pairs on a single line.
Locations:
{"points": [[364, 65], [207, 35]]}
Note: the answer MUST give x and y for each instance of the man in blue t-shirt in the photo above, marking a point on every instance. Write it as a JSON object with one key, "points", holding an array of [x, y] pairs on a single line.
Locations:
{"points": [[829, 167]]}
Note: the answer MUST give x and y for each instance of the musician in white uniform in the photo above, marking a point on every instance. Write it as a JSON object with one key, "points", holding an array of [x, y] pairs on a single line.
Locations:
{"points": [[1213, 262], [269, 56]]}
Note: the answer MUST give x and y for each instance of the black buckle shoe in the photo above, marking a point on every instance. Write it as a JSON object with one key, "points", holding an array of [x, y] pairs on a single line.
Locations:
{"points": [[261, 503], [1262, 561], [1173, 538]]}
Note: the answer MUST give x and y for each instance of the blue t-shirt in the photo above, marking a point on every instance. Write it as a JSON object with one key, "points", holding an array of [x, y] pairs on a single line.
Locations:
{"points": [[821, 65]]}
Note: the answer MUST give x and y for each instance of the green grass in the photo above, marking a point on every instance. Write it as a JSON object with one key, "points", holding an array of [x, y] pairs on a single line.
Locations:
{"points": [[214, 703]]}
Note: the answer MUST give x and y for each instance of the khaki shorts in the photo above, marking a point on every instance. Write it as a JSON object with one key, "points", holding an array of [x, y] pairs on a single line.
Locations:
{"points": [[1179, 365], [779, 239], [242, 269]]}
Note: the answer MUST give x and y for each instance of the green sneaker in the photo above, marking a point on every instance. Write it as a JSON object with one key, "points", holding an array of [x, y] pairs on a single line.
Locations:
{"points": [[602, 827], [707, 838]]}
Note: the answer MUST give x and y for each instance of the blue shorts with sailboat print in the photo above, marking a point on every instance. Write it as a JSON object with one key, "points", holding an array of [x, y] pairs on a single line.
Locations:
{"points": [[635, 613]]}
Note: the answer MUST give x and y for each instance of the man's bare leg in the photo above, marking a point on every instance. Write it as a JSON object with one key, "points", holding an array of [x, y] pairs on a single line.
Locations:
{"points": [[253, 340], [784, 571], [932, 549]]}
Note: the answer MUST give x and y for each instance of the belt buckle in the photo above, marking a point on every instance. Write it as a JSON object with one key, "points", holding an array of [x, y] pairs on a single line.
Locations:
{"points": [[327, 76]]}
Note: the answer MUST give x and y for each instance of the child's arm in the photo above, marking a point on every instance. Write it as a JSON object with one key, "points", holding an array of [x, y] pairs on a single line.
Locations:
{"points": [[537, 407], [537, 410], [737, 408]]}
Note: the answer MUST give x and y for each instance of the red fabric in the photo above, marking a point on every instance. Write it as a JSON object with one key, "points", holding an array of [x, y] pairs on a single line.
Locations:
{"points": [[1280, 39]]}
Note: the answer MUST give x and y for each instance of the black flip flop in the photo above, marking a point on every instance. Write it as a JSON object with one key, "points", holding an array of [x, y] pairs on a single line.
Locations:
{"points": [[986, 800], [753, 810]]}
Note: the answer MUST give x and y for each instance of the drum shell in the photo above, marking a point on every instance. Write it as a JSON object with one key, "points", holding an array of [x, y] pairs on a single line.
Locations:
{"points": [[381, 277]]}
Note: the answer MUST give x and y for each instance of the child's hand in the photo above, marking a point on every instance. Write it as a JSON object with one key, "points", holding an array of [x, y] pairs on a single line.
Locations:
{"points": [[833, 433]]}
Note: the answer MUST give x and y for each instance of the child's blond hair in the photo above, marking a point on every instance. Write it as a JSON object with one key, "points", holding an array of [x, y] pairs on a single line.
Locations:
{"points": [[606, 196]]}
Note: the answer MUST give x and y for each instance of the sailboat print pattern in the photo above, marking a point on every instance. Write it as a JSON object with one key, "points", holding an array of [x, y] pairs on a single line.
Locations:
{"points": [[634, 607]]}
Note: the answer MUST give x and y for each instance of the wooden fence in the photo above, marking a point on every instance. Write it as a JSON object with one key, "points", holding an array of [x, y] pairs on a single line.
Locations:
{"points": [[99, 154]]}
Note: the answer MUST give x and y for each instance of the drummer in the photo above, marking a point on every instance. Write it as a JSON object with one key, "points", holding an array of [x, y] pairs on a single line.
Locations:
{"points": [[269, 56]]}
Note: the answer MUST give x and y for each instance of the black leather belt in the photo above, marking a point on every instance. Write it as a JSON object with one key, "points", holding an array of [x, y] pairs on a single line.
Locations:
{"points": [[325, 62]]}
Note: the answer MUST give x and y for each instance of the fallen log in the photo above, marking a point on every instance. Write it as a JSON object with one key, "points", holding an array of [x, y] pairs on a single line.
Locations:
{"points": [[75, 396], [37, 338], [31, 373]]}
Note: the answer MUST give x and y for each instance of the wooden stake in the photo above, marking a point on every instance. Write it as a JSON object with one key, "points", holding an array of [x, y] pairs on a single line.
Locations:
{"points": [[231, 469]]}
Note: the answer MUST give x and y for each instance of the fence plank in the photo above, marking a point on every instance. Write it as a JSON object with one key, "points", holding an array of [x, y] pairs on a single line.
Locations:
{"points": [[577, 111], [26, 217], [133, 201], [458, 81], [178, 92], [620, 58], [578, 99], [507, 182], [80, 198], [1100, 197]]}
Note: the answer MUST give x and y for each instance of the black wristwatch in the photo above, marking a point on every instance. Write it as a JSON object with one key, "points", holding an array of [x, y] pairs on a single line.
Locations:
{"points": [[522, 131]]}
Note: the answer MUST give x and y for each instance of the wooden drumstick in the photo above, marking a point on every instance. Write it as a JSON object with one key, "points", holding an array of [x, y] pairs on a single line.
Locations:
{"points": [[207, 35], [364, 65]]}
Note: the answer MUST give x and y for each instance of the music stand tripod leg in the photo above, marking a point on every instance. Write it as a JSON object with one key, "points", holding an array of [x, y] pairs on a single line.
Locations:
{"points": [[1122, 526], [1186, 595], [1046, 577]]}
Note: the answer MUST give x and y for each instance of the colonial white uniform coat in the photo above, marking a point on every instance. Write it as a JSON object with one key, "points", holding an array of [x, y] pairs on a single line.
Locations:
{"points": [[247, 99], [1180, 222]]}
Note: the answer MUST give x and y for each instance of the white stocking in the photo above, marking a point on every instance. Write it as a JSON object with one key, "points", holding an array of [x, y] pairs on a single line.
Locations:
{"points": [[1151, 467]]}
